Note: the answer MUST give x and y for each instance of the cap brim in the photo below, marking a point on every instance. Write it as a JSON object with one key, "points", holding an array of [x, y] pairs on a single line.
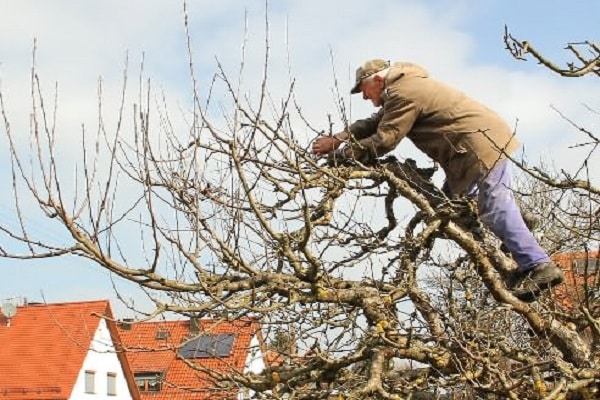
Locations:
{"points": [[355, 89]]}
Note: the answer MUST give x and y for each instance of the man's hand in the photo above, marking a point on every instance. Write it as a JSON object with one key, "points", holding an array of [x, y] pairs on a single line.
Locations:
{"points": [[326, 144]]}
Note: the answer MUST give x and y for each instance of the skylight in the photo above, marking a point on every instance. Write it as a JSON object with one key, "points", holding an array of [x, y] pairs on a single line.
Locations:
{"points": [[208, 346]]}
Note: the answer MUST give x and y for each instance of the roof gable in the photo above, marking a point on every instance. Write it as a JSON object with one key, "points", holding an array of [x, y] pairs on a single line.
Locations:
{"points": [[44, 346]]}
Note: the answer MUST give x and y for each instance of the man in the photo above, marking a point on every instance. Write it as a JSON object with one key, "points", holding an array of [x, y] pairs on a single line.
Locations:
{"points": [[468, 140]]}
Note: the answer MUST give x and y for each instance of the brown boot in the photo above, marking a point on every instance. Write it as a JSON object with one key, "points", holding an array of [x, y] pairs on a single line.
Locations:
{"points": [[539, 278]]}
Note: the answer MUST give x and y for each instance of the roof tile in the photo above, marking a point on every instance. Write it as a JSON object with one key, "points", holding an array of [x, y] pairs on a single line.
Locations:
{"points": [[43, 348], [147, 353], [571, 294]]}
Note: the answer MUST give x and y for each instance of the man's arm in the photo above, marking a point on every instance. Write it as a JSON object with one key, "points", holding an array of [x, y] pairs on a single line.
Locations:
{"points": [[364, 128], [399, 116], [358, 130]]}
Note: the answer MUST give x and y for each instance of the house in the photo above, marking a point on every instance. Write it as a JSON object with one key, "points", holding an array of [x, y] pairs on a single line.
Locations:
{"points": [[63, 351], [191, 359], [582, 279]]}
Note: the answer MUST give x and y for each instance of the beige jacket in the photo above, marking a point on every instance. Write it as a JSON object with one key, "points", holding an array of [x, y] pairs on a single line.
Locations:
{"points": [[462, 135]]}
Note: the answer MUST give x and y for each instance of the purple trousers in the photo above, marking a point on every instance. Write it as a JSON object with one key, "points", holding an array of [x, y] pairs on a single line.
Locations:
{"points": [[500, 213]]}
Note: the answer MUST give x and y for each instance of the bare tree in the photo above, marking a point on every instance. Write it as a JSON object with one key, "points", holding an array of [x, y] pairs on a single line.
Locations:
{"points": [[236, 219], [586, 56]]}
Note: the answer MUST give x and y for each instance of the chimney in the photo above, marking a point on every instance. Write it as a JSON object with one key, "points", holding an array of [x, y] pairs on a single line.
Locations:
{"points": [[194, 325], [126, 324], [7, 311]]}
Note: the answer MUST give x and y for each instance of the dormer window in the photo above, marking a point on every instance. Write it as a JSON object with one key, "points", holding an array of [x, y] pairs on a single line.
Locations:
{"points": [[162, 334], [149, 381]]}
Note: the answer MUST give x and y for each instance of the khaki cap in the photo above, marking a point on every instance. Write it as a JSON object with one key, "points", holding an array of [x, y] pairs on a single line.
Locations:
{"points": [[367, 69]]}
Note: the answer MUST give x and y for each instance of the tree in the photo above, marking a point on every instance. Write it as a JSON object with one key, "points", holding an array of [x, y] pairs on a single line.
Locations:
{"points": [[236, 219]]}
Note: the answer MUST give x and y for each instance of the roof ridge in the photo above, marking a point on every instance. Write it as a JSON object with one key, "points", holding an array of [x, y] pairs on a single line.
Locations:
{"points": [[65, 303]]}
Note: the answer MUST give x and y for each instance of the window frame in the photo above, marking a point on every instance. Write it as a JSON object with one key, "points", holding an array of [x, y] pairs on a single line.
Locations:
{"points": [[149, 377], [89, 384], [111, 383]]}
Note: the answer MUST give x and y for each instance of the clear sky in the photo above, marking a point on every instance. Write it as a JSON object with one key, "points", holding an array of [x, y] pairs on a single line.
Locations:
{"points": [[459, 41]]}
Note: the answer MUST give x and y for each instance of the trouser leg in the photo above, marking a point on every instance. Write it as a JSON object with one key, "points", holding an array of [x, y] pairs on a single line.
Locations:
{"points": [[499, 211]]}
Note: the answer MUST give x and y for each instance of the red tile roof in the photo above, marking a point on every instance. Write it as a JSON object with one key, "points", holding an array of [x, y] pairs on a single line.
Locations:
{"points": [[148, 354], [571, 294], [274, 358], [43, 347]]}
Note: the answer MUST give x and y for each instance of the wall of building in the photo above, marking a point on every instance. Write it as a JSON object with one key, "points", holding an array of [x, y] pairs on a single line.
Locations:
{"points": [[255, 364], [255, 361], [102, 359]]}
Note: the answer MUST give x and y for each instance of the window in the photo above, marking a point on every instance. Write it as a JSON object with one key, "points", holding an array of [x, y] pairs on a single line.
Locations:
{"points": [[162, 335], [111, 384], [586, 265], [90, 381], [149, 381], [208, 346]]}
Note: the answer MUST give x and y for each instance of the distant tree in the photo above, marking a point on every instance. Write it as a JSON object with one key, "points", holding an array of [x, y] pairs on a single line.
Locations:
{"points": [[283, 342], [235, 218]]}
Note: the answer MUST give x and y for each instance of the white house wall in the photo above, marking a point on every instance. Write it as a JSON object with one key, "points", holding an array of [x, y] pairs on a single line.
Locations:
{"points": [[255, 364], [255, 361], [102, 359]]}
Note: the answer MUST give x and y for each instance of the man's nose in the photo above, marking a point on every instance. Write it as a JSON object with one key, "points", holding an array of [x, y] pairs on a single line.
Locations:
{"points": [[364, 96]]}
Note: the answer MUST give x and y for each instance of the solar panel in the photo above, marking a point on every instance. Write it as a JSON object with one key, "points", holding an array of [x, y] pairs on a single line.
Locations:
{"points": [[208, 346]]}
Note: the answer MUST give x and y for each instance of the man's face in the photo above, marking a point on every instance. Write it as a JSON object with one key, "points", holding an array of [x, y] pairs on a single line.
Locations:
{"points": [[371, 89]]}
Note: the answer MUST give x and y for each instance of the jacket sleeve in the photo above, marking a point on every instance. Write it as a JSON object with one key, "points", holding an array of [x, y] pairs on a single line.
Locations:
{"points": [[397, 118], [364, 128]]}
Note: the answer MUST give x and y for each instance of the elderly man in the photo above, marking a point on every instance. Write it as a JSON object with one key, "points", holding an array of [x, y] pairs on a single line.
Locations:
{"points": [[468, 140]]}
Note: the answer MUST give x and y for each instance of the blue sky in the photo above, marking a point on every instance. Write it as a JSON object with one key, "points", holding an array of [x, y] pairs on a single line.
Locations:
{"points": [[460, 42]]}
